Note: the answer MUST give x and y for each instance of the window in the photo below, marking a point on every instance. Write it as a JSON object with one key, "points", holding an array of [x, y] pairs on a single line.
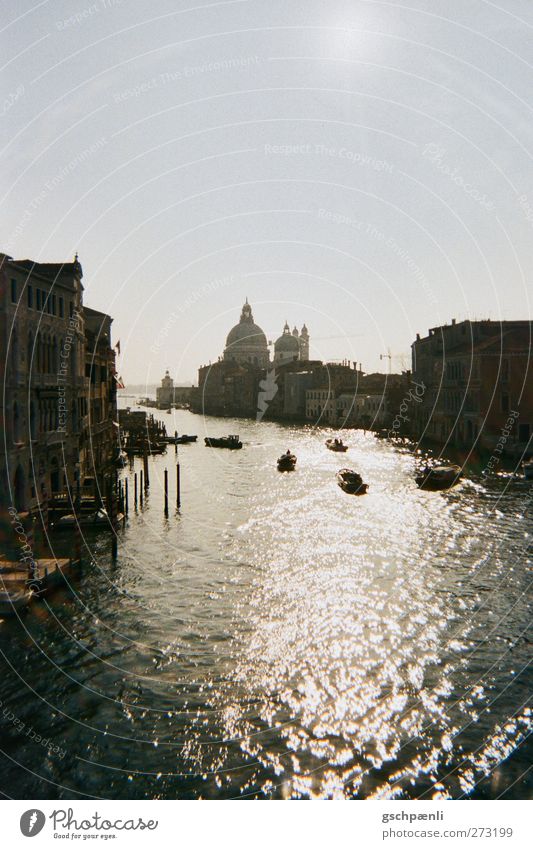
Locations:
{"points": [[38, 297], [53, 305], [505, 369], [505, 403], [14, 291], [61, 308], [30, 296]]}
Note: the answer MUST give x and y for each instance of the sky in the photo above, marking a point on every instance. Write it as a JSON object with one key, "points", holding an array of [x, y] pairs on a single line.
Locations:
{"points": [[363, 167]]}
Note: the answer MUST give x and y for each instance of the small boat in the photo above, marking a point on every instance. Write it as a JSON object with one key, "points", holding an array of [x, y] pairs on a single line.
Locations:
{"points": [[435, 478], [15, 599], [169, 410], [287, 462], [336, 445], [528, 470], [184, 439], [98, 518], [231, 441], [351, 482]]}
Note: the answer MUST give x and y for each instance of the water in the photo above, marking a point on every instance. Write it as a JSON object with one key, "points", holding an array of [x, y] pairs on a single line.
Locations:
{"points": [[280, 638]]}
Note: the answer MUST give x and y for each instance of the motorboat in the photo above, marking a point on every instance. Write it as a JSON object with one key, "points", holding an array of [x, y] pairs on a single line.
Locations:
{"points": [[184, 439], [528, 470], [287, 462], [18, 585], [232, 441], [435, 478], [351, 482], [336, 445]]}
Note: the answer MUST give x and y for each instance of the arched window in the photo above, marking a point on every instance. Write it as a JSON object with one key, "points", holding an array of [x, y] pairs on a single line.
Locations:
{"points": [[54, 355]]}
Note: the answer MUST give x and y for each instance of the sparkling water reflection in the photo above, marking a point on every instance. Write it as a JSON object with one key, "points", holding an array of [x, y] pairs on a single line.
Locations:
{"points": [[281, 638]]}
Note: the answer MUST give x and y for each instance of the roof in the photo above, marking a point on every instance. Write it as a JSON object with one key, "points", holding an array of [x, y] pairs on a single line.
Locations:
{"points": [[246, 333], [50, 271]]}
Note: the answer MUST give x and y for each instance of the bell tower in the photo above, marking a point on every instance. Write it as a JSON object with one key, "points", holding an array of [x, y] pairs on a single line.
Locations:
{"points": [[304, 343]]}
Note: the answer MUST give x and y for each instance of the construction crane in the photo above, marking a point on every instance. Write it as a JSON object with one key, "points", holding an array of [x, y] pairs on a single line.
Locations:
{"points": [[390, 357]]}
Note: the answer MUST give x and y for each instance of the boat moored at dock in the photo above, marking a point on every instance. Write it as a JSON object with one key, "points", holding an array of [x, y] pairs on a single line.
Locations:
{"points": [[528, 470], [14, 599], [232, 441]]}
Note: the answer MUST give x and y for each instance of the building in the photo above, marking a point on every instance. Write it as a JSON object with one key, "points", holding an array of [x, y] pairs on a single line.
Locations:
{"points": [[362, 411], [50, 403], [290, 347], [168, 395], [165, 392], [227, 388], [244, 381], [99, 444], [476, 376]]}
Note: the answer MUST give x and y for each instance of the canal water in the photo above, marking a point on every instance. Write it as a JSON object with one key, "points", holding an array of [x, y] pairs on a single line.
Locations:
{"points": [[278, 638]]}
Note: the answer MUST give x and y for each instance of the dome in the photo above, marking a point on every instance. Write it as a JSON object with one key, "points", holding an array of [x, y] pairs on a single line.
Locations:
{"points": [[287, 343], [249, 333], [246, 342], [246, 331]]}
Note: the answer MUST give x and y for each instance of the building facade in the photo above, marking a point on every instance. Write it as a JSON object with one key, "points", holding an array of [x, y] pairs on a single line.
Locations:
{"points": [[476, 374], [43, 353]]}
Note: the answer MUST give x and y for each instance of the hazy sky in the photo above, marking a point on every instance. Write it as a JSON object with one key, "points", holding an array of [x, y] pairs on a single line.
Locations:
{"points": [[361, 166]]}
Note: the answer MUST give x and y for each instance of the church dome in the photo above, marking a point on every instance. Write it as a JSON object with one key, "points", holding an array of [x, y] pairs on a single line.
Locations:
{"points": [[246, 330], [246, 341], [287, 343]]}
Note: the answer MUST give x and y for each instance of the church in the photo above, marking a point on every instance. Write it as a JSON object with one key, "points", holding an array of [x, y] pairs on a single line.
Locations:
{"points": [[232, 384], [247, 343]]}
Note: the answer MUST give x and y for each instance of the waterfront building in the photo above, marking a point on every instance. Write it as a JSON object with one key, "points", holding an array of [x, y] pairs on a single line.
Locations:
{"points": [[99, 445], [165, 392], [43, 362], [360, 410], [168, 394], [227, 388], [475, 374]]}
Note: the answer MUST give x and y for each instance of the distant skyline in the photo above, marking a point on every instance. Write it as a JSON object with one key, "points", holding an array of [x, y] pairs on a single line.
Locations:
{"points": [[360, 166]]}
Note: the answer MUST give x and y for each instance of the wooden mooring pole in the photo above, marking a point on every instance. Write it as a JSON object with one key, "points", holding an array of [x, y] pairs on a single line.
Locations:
{"points": [[178, 486], [166, 492], [145, 466], [141, 487], [126, 497], [135, 490]]}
